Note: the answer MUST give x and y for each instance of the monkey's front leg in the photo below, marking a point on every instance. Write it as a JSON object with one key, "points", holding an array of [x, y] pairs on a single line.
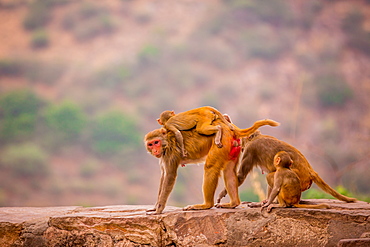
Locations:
{"points": [[269, 189], [271, 206], [255, 204], [170, 174], [161, 165]]}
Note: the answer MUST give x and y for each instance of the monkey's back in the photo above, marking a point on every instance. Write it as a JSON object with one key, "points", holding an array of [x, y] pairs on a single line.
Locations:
{"points": [[261, 149], [290, 190]]}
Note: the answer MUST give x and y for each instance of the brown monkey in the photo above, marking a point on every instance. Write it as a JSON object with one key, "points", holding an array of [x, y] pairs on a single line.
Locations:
{"points": [[200, 118], [259, 150], [162, 144], [285, 184]]}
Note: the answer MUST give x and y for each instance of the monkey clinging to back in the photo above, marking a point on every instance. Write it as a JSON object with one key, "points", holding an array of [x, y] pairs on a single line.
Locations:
{"points": [[201, 119], [285, 184]]}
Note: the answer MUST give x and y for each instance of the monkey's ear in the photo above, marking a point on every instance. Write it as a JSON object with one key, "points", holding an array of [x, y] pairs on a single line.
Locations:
{"points": [[159, 121], [277, 160], [173, 113]]}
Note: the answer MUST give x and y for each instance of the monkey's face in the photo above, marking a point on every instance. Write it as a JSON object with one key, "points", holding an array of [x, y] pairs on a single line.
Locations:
{"points": [[163, 118], [154, 147]]}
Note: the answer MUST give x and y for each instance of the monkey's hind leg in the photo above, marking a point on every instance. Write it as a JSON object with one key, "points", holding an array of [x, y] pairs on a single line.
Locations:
{"points": [[231, 184], [218, 137], [206, 128]]}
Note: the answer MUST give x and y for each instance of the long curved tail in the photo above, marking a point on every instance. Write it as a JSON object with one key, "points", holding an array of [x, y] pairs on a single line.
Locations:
{"points": [[246, 132], [318, 206], [325, 187]]}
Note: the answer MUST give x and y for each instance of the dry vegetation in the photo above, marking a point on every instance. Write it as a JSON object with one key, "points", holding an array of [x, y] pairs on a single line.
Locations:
{"points": [[81, 82]]}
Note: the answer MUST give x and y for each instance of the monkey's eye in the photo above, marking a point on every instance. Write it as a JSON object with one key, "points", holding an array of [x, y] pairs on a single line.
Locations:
{"points": [[150, 144], [156, 142]]}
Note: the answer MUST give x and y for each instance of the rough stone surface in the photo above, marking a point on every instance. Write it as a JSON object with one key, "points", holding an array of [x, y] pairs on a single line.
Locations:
{"points": [[345, 224]]}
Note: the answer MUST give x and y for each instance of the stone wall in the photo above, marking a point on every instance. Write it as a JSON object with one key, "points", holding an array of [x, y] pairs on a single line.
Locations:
{"points": [[243, 226]]}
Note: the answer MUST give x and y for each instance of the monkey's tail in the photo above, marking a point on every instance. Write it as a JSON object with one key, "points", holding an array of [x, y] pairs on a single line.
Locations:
{"points": [[318, 206], [246, 132], [325, 187]]}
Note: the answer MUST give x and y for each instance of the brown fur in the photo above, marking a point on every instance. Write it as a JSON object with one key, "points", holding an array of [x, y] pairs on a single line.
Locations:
{"points": [[285, 184], [201, 119], [259, 150], [163, 145]]}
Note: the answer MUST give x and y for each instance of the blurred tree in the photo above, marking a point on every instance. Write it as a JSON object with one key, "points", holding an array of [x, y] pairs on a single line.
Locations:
{"points": [[148, 55], [113, 131], [111, 76], [38, 15], [89, 21], [357, 36], [315, 193], [25, 160], [67, 119], [18, 113], [10, 67], [332, 90], [40, 39]]}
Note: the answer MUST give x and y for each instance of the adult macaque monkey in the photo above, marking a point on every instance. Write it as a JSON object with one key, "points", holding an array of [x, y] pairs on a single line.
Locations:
{"points": [[259, 150], [285, 184], [201, 119], [162, 144]]}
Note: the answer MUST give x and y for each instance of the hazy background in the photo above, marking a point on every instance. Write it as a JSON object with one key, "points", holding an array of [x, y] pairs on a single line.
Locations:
{"points": [[82, 82]]}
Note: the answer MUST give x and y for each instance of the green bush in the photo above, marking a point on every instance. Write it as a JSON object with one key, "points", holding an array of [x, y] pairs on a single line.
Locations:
{"points": [[33, 69], [113, 131], [67, 119], [261, 41], [40, 39], [314, 193], [10, 67], [357, 37], [274, 11], [18, 113], [45, 72], [93, 28], [148, 54], [38, 15], [18, 102], [332, 90], [248, 195], [89, 168], [89, 21], [112, 76], [25, 160]]}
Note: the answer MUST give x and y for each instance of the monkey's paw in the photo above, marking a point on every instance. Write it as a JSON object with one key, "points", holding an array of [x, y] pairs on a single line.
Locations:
{"points": [[225, 205], [184, 153], [197, 207], [153, 212], [221, 195], [255, 204]]}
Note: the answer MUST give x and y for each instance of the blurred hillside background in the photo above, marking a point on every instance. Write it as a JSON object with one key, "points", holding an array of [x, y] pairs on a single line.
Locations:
{"points": [[82, 82]]}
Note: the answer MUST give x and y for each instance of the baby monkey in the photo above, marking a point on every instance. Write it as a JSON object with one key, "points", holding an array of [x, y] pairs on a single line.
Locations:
{"points": [[200, 118], [285, 184]]}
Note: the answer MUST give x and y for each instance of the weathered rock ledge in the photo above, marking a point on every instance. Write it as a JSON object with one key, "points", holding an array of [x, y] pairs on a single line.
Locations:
{"points": [[130, 226]]}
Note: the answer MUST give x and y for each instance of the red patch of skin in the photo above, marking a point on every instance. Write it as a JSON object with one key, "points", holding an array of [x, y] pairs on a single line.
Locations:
{"points": [[155, 147], [235, 149]]}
